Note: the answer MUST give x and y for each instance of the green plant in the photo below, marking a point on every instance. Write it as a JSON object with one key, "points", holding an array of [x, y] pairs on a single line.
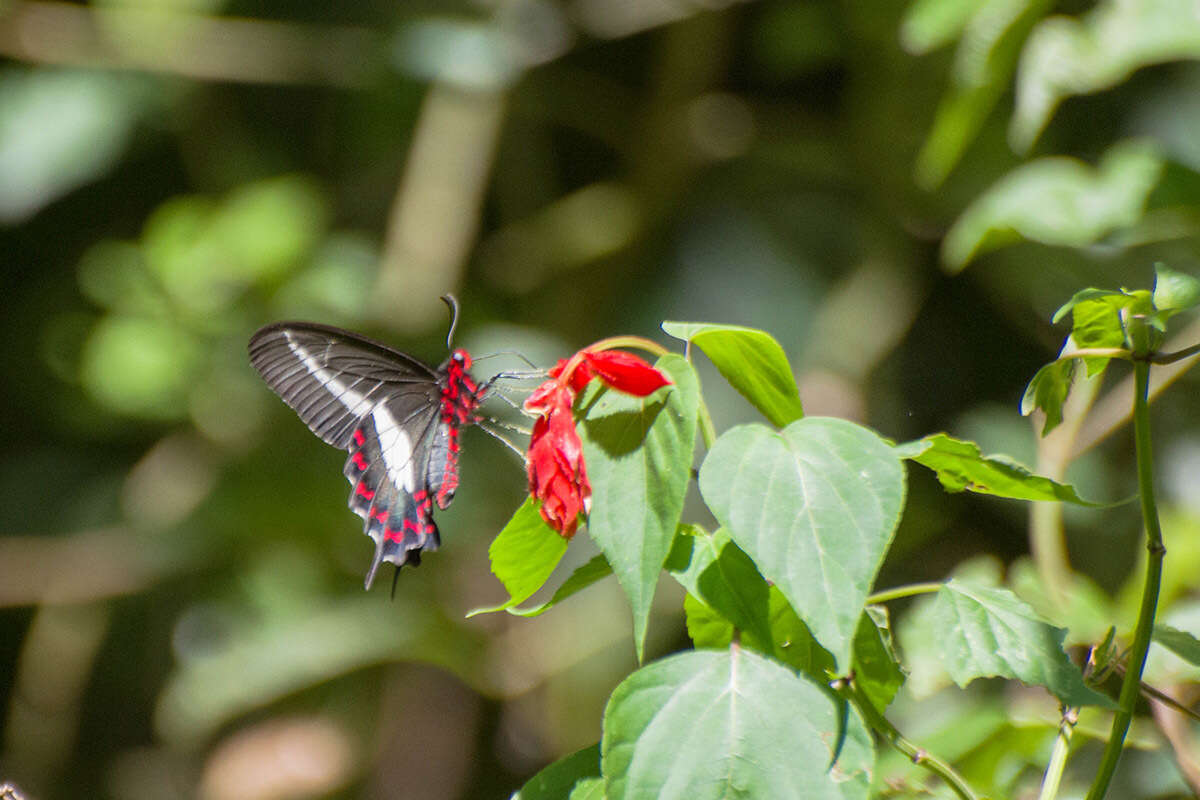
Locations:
{"points": [[787, 690]]}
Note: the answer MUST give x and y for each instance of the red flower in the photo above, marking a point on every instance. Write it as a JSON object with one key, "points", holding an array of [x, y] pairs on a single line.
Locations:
{"points": [[557, 474], [624, 372]]}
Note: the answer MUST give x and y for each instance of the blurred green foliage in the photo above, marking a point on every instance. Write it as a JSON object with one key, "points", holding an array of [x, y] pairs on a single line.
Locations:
{"points": [[179, 577]]}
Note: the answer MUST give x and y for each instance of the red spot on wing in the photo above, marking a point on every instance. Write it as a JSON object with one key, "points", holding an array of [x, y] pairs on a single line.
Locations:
{"points": [[362, 490], [359, 437], [360, 461]]}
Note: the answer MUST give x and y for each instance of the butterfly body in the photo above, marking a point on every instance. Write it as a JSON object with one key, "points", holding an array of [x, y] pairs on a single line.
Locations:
{"points": [[398, 418]]}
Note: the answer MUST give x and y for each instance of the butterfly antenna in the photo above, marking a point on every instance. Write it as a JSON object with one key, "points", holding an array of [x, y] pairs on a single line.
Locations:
{"points": [[514, 354], [451, 301]]}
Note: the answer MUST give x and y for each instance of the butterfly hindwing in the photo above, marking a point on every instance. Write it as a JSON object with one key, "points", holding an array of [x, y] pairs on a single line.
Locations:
{"points": [[387, 470]]}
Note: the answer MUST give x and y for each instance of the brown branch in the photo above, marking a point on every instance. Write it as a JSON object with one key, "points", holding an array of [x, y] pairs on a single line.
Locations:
{"points": [[199, 47]]}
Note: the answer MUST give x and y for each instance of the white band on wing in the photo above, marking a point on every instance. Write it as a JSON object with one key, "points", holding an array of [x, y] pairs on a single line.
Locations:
{"points": [[355, 401], [396, 448]]}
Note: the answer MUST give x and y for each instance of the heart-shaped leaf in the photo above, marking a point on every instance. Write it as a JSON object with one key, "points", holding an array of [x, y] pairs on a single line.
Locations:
{"points": [[638, 452], [713, 725], [815, 506]]}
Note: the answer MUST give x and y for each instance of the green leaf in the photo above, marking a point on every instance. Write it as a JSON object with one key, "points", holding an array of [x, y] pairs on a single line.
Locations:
{"points": [[983, 66], [929, 24], [713, 725], [960, 465], [815, 506], [61, 129], [1174, 291], [716, 571], [1181, 643], [876, 665], [790, 641], [588, 789], [558, 780], [988, 632], [523, 555], [753, 363], [1057, 201], [1065, 56], [639, 455], [584, 576], [1081, 296], [1048, 391], [959, 117]]}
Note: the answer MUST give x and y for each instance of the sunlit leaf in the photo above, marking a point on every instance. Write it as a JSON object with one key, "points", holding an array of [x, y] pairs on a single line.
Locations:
{"points": [[639, 455], [584, 576], [753, 363], [960, 465], [929, 24], [60, 129], [140, 366], [588, 789], [1174, 291], [815, 506], [1066, 56], [557, 781], [523, 555], [711, 725], [988, 632], [1047, 390], [1181, 643], [1057, 201]]}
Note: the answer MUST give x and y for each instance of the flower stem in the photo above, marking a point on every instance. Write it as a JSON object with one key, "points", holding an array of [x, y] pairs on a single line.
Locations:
{"points": [[917, 755], [629, 342], [1154, 564]]}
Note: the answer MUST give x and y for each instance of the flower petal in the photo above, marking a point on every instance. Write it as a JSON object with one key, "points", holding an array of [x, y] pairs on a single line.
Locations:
{"points": [[625, 372]]}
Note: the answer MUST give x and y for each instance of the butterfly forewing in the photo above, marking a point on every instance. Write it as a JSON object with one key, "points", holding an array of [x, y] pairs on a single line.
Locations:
{"points": [[397, 417], [331, 377]]}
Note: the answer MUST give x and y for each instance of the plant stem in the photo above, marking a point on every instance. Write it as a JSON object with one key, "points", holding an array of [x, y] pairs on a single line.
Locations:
{"points": [[904, 591], [1145, 625], [880, 724], [1058, 756]]}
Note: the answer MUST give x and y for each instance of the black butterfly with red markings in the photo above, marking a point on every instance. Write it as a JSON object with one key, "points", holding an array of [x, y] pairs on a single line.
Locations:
{"points": [[398, 417]]}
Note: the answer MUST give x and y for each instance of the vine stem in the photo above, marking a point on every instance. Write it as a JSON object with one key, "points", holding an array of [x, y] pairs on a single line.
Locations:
{"points": [[880, 724], [1154, 563], [1058, 756]]}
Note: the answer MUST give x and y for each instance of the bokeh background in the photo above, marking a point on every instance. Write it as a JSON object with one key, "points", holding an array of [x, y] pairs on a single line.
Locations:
{"points": [[902, 193]]}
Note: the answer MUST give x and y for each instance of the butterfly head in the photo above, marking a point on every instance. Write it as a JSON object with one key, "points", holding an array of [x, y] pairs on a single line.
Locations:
{"points": [[461, 359]]}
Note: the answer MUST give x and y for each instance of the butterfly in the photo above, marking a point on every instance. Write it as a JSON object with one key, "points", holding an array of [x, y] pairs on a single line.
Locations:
{"points": [[397, 417]]}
